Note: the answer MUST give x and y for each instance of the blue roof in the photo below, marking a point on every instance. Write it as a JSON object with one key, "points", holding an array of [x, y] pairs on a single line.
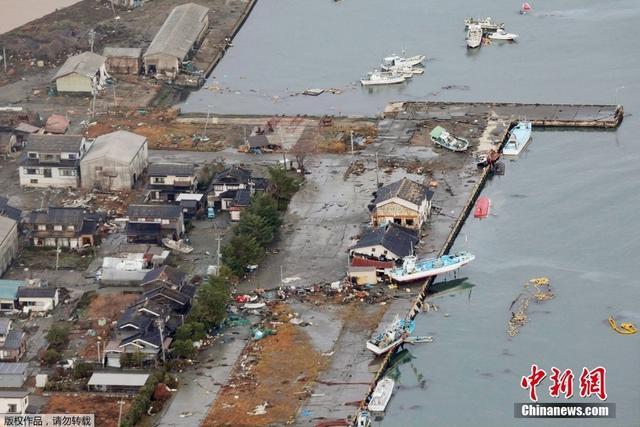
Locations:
{"points": [[9, 288]]}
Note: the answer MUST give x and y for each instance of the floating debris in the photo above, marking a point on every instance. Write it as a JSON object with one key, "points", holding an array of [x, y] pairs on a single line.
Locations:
{"points": [[541, 293]]}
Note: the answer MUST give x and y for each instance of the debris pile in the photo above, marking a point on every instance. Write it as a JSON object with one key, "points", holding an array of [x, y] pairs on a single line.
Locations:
{"points": [[537, 289]]}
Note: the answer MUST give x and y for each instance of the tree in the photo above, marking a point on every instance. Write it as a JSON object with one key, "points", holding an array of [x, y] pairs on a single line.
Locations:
{"points": [[252, 225], [183, 348], [51, 357], [210, 307], [282, 186], [192, 331], [266, 207], [58, 335], [82, 370], [240, 252], [303, 149]]}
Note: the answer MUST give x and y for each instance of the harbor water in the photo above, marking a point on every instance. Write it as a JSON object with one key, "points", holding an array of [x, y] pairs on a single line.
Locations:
{"points": [[566, 209], [18, 12]]}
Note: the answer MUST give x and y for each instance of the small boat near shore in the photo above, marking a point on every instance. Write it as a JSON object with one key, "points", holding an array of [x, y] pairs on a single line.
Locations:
{"points": [[519, 137], [483, 205], [382, 78], [179, 245], [415, 269], [623, 328], [395, 61], [444, 139], [391, 336], [474, 36], [381, 395], [501, 34]]}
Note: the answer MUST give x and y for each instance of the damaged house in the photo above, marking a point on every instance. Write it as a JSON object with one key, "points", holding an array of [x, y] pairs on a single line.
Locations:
{"points": [[388, 242], [152, 223], [232, 189], [63, 227], [83, 73], [403, 202], [168, 180]]}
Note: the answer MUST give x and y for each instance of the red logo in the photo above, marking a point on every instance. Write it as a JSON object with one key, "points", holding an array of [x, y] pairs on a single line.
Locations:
{"points": [[592, 382], [562, 383], [532, 381]]}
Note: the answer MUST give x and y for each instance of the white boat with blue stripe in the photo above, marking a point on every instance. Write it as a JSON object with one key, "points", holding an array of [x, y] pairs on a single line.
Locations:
{"points": [[519, 137], [415, 269]]}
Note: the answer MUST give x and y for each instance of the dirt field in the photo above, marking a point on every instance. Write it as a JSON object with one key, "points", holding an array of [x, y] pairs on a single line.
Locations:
{"points": [[106, 409], [277, 370]]}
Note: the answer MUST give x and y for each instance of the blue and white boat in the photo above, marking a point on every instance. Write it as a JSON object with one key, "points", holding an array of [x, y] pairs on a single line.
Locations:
{"points": [[415, 269], [391, 336], [519, 137]]}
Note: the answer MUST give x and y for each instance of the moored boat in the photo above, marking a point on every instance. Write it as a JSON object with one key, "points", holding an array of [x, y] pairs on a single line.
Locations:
{"points": [[382, 78], [364, 419], [381, 395], [519, 137], [483, 205], [395, 61], [415, 269], [443, 138], [486, 24], [391, 336], [474, 36], [501, 34]]}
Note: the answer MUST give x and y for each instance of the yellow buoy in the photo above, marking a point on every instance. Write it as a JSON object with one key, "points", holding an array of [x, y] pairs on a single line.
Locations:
{"points": [[624, 328]]}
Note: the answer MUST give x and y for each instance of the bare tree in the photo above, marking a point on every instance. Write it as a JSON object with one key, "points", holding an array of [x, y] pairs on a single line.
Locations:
{"points": [[304, 148]]}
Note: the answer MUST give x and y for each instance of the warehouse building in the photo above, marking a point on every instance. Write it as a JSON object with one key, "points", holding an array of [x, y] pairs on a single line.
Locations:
{"points": [[81, 73], [123, 60]]}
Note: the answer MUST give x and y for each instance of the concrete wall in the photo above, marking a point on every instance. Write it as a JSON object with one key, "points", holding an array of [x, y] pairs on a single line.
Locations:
{"points": [[8, 246], [107, 173], [74, 83], [56, 179], [21, 404], [123, 65]]}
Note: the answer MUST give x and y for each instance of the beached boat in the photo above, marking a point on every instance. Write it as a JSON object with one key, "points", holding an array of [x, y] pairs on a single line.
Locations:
{"points": [[519, 137], [474, 36], [483, 205], [382, 78], [395, 61], [177, 245], [381, 395], [415, 269], [487, 158], [363, 419], [487, 24], [624, 328], [391, 336], [443, 138], [501, 34]]}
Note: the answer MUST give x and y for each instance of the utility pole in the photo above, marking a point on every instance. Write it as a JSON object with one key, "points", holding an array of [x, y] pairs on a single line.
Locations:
{"points": [[164, 359], [92, 38], [218, 256], [57, 254], [4, 58], [98, 345], [121, 403], [377, 178], [352, 143], [115, 101], [204, 135], [281, 277]]}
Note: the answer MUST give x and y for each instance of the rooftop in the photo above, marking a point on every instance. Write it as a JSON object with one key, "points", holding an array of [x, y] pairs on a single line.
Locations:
{"points": [[60, 216], [179, 32], [242, 197], [118, 379], [9, 211], [86, 64], [123, 52], [393, 237], [231, 175], [9, 288], [13, 340], [25, 292], [165, 273], [6, 225], [13, 368], [4, 325], [54, 143], [174, 169], [154, 211], [13, 393], [120, 145], [404, 189]]}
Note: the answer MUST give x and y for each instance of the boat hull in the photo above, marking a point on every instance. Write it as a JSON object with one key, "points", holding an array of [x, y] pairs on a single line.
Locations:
{"points": [[381, 395], [390, 81], [378, 351], [418, 275], [451, 147]]}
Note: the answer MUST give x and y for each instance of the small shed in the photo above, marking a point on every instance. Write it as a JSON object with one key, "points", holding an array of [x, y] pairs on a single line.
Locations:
{"points": [[81, 73], [117, 382], [363, 275], [114, 161], [13, 375], [9, 294], [123, 60], [37, 299]]}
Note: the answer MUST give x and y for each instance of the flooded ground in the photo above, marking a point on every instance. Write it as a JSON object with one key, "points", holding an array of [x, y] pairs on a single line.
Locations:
{"points": [[18, 12]]}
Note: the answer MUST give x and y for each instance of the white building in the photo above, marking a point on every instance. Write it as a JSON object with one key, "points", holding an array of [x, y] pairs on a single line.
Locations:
{"points": [[37, 299], [52, 160], [114, 161], [14, 401], [8, 242], [403, 202], [82, 73]]}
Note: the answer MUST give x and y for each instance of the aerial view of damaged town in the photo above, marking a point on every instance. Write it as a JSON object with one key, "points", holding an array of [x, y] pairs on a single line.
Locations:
{"points": [[319, 213]]}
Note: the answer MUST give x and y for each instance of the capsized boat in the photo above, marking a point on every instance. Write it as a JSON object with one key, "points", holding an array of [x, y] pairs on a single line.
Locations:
{"points": [[443, 138], [519, 137], [381, 395], [501, 34], [391, 336], [474, 36], [395, 61], [416, 269], [177, 245], [382, 78], [624, 328], [486, 24], [483, 205]]}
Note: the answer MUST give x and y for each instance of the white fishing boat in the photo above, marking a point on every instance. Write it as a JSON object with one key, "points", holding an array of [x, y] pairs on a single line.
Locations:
{"points": [[415, 269], [381, 395], [395, 61], [474, 36], [519, 137], [177, 245], [382, 78], [391, 336], [501, 34], [486, 24], [364, 419]]}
